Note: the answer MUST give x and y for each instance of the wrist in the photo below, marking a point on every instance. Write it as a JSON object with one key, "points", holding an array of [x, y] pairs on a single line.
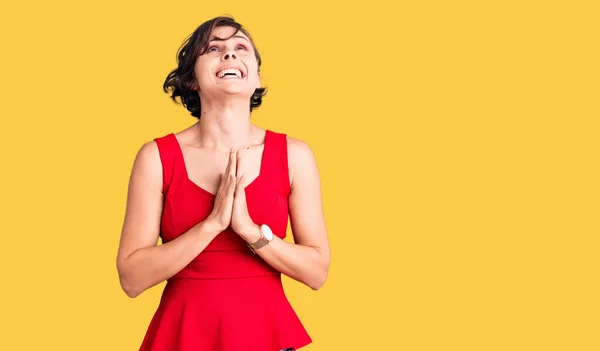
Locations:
{"points": [[265, 236], [252, 234], [209, 227]]}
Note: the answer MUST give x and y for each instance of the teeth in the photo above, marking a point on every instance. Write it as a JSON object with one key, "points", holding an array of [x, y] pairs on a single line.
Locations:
{"points": [[235, 71]]}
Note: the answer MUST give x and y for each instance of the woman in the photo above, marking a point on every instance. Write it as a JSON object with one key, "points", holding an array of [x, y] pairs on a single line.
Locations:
{"points": [[219, 194]]}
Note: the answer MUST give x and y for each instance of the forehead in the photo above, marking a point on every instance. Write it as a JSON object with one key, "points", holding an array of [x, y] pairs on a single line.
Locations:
{"points": [[226, 32]]}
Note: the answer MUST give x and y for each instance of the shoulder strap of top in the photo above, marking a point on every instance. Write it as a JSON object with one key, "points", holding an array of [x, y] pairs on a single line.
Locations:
{"points": [[279, 157], [168, 151]]}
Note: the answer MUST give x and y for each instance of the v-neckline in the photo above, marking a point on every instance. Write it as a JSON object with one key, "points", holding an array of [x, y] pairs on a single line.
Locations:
{"points": [[187, 177]]}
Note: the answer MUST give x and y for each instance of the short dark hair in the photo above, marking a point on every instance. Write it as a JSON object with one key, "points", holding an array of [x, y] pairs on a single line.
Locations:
{"points": [[180, 82]]}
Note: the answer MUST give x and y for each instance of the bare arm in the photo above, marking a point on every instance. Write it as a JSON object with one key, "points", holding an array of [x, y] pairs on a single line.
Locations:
{"points": [[308, 259], [142, 264]]}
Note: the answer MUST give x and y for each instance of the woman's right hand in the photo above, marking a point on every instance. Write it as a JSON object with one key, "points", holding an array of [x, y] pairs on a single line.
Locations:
{"points": [[220, 217]]}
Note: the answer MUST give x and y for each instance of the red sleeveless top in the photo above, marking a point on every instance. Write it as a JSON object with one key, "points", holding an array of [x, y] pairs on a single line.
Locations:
{"points": [[227, 298]]}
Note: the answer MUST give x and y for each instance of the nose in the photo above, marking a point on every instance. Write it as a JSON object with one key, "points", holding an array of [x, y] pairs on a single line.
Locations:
{"points": [[227, 56]]}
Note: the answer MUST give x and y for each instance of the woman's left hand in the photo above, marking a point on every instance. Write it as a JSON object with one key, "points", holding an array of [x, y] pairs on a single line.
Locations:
{"points": [[241, 222]]}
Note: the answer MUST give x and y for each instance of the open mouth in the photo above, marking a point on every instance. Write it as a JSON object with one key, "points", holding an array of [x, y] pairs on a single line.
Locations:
{"points": [[230, 73]]}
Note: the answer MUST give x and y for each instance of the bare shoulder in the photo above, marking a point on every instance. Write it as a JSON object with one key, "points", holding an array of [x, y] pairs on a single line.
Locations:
{"points": [[147, 163], [149, 151], [297, 145], [299, 152], [301, 159]]}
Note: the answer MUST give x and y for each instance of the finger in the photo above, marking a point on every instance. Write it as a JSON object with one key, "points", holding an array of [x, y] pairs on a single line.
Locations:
{"points": [[233, 161], [226, 191], [238, 182], [229, 194], [232, 184], [229, 162], [239, 189], [238, 162], [221, 184], [225, 175]]}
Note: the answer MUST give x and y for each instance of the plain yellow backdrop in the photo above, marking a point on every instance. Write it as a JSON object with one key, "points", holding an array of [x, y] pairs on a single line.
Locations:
{"points": [[457, 143]]}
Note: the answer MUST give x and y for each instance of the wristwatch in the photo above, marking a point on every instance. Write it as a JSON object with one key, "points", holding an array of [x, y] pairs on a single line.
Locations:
{"points": [[266, 235]]}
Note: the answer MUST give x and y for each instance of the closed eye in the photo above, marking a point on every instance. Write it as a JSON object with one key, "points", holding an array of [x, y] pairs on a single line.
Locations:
{"points": [[213, 48]]}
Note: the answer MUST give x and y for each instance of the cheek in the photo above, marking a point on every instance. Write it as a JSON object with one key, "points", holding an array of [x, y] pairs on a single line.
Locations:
{"points": [[202, 74], [202, 70], [251, 66], [252, 75]]}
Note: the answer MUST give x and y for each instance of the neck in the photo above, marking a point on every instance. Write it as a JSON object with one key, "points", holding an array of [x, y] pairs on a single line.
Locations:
{"points": [[224, 124]]}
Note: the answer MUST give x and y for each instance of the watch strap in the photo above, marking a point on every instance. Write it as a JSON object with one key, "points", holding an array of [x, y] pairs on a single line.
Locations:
{"points": [[262, 241]]}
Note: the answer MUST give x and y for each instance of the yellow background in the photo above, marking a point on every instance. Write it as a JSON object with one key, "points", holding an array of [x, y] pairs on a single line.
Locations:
{"points": [[457, 143]]}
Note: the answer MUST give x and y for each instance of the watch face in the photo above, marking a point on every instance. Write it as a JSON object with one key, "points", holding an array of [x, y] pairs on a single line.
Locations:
{"points": [[267, 232]]}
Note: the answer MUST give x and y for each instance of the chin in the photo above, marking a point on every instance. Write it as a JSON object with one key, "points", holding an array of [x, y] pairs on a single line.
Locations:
{"points": [[242, 92]]}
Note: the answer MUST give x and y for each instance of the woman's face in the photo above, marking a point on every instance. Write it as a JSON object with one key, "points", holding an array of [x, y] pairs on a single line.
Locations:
{"points": [[228, 66]]}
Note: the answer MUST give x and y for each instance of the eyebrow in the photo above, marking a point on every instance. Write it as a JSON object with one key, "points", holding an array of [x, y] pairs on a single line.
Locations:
{"points": [[221, 39]]}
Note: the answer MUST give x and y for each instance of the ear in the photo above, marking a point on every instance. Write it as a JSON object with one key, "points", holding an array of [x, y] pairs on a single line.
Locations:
{"points": [[195, 84], [258, 81]]}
